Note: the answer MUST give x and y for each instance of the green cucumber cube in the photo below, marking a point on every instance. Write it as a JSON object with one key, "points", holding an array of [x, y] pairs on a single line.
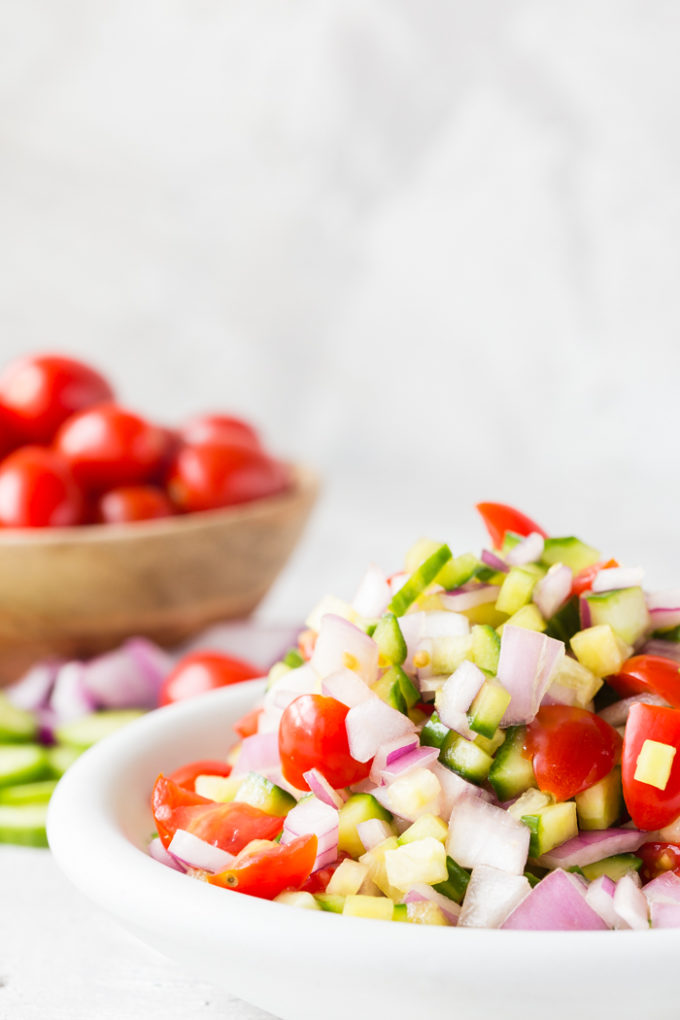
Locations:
{"points": [[601, 804], [434, 732], [390, 641], [360, 807], [613, 867], [624, 610], [260, 792], [571, 551], [486, 648], [512, 772], [465, 758], [488, 708], [419, 580], [551, 826]]}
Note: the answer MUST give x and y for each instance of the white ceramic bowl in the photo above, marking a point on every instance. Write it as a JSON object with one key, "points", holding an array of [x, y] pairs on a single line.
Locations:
{"points": [[303, 965]]}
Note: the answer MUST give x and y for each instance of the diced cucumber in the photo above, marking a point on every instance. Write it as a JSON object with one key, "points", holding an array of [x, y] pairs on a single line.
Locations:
{"points": [[565, 622], [516, 590], [375, 861], [532, 879], [223, 789], [419, 552], [15, 723], [488, 708], [388, 689], [426, 825], [490, 744], [390, 641], [333, 904], [302, 900], [60, 758], [360, 807], [420, 860], [414, 794], [434, 732], [458, 571], [22, 763], [348, 878], [599, 649], [551, 826], [512, 772], [672, 634], [528, 617], [624, 610], [601, 805], [455, 885], [485, 615], [419, 580], [23, 824], [571, 551], [379, 908], [613, 867], [293, 659], [465, 758], [86, 731], [400, 912], [576, 682], [510, 540], [486, 648], [260, 792], [447, 653], [28, 793]]}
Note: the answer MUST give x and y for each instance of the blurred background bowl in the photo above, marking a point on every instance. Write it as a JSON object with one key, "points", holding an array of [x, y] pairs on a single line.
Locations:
{"points": [[74, 592]]}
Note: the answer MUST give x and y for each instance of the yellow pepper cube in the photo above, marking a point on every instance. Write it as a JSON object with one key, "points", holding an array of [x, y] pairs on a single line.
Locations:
{"points": [[654, 764]]}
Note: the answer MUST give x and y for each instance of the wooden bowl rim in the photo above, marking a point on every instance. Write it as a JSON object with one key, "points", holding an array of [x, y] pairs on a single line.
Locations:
{"points": [[305, 485]]}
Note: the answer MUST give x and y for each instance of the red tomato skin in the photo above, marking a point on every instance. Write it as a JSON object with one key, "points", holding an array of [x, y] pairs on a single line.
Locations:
{"points": [[499, 518], [644, 674], [39, 392], [208, 476], [271, 870], [657, 858], [247, 725], [312, 734], [38, 490], [649, 807], [200, 672], [571, 749], [109, 447], [583, 581], [187, 774], [133, 503], [219, 428]]}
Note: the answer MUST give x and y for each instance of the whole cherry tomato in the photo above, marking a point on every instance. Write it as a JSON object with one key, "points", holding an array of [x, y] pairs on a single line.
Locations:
{"points": [[219, 428], [210, 475], [499, 518], [658, 858], [266, 871], [108, 447], [571, 749], [644, 674], [199, 672], [38, 393], [648, 806], [133, 503], [312, 734], [583, 581], [186, 775], [38, 490]]}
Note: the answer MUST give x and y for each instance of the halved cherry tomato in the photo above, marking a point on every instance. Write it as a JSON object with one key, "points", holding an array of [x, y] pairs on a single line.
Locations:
{"points": [[318, 880], [584, 579], [247, 725], [199, 672], [267, 871], [312, 734], [133, 503], [39, 392], [230, 826], [658, 858], [571, 749], [648, 674], [187, 774], [499, 518], [38, 490], [206, 476], [649, 807], [221, 428]]}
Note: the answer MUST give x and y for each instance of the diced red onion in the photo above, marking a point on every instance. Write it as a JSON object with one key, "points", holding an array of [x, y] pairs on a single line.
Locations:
{"points": [[303, 680], [33, 690], [397, 581], [664, 608], [429, 685], [527, 663], [129, 677], [194, 852], [600, 897], [667, 649], [480, 833], [589, 847], [71, 697], [329, 856], [313, 816], [373, 831], [373, 594], [664, 914], [664, 619], [322, 789], [553, 590], [346, 686], [460, 599], [340, 643], [617, 713], [494, 561], [411, 626], [153, 660], [160, 854], [269, 719], [615, 578], [557, 903], [529, 550], [420, 892], [440, 623], [491, 896], [456, 696], [630, 903], [585, 616], [48, 723], [390, 752], [665, 888], [371, 724], [259, 753], [422, 757]]}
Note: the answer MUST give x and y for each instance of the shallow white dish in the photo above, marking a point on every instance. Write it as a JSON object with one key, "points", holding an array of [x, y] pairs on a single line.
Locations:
{"points": [[304, 965]]}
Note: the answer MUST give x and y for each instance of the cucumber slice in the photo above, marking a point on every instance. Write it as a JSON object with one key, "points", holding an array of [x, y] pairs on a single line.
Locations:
{"points": [[566, 621], [486, 648], [624, 610], [455, 885], [490, 744], [551, 826], [488, 708], [86, 731], [22, 763], [419, 580], [458, 570], [433, 732], [28, 793], [388, 689], [60, 758], [601, 805], [516, 590], [512, 772], [15, 723], [465, 758], [260, 792], [571, 551], [23, 824], [359, 808], [390, 641], [327, 901], [613, 867]]}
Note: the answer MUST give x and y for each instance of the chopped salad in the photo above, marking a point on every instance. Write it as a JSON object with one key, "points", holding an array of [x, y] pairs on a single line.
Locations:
{"points": [[483, 740]]}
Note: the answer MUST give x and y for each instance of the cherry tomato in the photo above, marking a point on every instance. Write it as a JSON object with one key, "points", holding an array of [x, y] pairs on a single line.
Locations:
{"points": [[133, 503], [658, 858], [499, 518], [247, 725], [37, 490], [643, 674], [38, 393], [207, 476], [583, 581], [571, 749], [649, 807], [108, 447], [219, 428], [312, 734], [186, 775], [230, 826], [266, 871], [200, 672]]}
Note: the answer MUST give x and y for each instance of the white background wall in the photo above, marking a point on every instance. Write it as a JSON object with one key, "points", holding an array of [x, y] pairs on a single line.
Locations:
{"points": [[431, 246]]}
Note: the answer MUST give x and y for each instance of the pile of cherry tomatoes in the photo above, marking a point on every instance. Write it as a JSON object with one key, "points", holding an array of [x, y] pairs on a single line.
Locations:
{"points": [[72, 455]]}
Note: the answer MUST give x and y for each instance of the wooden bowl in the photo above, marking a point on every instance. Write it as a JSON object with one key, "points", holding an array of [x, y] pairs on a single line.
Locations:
{"points": [[77, 591]]}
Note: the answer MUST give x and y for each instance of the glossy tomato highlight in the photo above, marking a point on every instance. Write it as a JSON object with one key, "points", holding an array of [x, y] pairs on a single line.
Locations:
{"points": [[199, 672], [38, 490], [313, 735], [571, 749]]}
